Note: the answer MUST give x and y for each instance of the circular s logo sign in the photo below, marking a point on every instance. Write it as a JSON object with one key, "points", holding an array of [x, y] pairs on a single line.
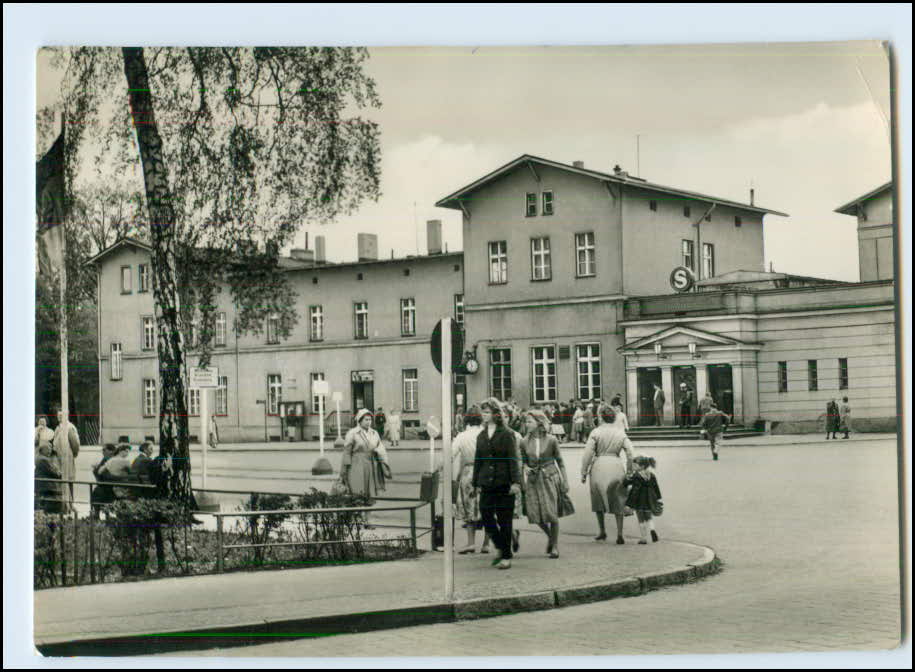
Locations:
{"points": [[682, 279]]}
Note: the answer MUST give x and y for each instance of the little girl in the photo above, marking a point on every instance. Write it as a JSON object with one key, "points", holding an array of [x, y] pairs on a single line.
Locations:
{"points": [[644, 495]]}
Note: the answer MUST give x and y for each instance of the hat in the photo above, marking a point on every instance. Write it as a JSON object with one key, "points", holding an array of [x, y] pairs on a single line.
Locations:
{"points": [[682, 384], [361, 414]]}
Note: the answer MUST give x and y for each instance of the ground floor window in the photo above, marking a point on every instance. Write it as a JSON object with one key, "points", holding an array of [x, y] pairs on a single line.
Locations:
{"points": [[315, 399], [410, 390], [588, 360], [500, 369], [222, 396], [783, 376], [274, 393], [149, 397], [193, 398], [843, 374], [543, 374]]}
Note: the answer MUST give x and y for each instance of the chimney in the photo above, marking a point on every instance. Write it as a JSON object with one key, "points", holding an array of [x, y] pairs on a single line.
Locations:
{"points": [[320, 253], [578, 164], [752, 195], [619, 172], [367, 246], [300, 254], [434, 236]]}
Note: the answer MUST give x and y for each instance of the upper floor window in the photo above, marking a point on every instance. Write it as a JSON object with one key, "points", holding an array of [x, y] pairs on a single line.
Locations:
{"points": [[531, 205], [273, 325], [547, 208], [220, 335], [408, 317], [738, 222], [498, 262], [116, 372], [688, 256], [686, 211], [540, 259], [708, 260], [317, 323], [126, 280], [144, 278], [653, 206], [361, 319], [783, 376], [149, 333], [149, 397], [585, 261]]}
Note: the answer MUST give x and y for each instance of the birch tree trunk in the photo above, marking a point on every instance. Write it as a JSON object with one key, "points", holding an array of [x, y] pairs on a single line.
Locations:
{"points": [[175, 482]]}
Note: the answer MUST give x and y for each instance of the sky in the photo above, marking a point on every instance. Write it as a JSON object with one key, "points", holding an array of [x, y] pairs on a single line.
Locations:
{"points": [[804, 123]]}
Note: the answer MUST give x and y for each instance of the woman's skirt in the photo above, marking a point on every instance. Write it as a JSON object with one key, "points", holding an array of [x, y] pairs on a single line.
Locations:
{"points": [[467, 504], [542, 496], [608, 494], [362, 476]]}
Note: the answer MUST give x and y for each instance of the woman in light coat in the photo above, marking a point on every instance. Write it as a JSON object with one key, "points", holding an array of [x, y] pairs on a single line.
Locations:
{"points": [[67, 448], [358, 470], [602, 463], [467, 503], [545, 478], [393, 428]]}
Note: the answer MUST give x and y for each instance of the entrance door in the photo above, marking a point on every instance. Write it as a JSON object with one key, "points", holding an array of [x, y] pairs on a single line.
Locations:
{"points": [[363, 391], [721, 385], [647, 378], [684, 374]]}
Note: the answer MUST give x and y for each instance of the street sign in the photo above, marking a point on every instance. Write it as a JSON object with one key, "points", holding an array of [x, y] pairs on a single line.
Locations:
{"points": [[204, 378], [320, 387], [337, 397], [457, 346], [682, 279], [433, 428]]}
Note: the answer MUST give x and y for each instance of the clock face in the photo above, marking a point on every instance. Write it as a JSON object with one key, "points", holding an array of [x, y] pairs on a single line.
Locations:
{"points": [[472, 366]]}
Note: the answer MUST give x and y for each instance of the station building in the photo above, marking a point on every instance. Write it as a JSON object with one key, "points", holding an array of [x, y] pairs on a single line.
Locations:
{"points": [[563, 290]]}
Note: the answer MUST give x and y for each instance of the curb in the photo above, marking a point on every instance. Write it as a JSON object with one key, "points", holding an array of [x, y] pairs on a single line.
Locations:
{"points": [[341, 624]]}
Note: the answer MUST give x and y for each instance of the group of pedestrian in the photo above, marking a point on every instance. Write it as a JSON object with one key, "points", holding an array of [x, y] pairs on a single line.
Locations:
{"points": [[838, 418], [55, 458]]}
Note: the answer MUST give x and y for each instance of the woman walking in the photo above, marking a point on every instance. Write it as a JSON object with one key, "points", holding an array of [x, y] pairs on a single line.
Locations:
{"points": [[467, 503], [514, 416], [832, 419], [546, 478], [394, 428], [602, 463], [497, 475], [362, 450], [845, 417]]}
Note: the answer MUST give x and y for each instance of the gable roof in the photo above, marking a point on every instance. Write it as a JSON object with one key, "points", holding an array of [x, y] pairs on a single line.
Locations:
{"points": [[679, 329], [136, 242], [453, 200], [850, 208]]}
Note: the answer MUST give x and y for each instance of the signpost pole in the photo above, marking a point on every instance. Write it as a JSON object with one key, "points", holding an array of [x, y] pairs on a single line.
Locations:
{"points": [[321, 422], [446, 458], [204, 429], [339, 441]]}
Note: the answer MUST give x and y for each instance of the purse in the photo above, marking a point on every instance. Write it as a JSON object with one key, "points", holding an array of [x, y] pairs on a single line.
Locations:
{"points": [[565, 508], [658, 508]]}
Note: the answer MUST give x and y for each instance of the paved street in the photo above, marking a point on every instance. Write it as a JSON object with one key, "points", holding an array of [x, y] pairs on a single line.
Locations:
{"points": [[808, 536]]}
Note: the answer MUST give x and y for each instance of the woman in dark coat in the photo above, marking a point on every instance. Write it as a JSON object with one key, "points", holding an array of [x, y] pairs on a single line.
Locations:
{"points": [[832, 418], [497, 475]]}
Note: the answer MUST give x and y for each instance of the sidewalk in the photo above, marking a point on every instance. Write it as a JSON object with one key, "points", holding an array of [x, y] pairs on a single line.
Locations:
{"points": [[243, 607]]}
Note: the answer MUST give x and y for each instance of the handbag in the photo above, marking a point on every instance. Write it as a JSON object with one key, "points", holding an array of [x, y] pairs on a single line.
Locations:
{"points": [[657, 508], [565, 508]]}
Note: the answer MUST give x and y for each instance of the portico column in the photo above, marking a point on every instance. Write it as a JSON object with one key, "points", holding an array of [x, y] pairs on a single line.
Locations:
{"points": [[632, 397], [701, 381], [667, 384], [737, 382]]}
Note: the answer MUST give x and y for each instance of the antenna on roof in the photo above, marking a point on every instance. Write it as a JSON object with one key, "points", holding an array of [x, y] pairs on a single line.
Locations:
{"points": [[638, 157]]}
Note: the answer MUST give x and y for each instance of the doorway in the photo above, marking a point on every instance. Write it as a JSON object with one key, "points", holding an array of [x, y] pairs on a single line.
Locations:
{"points": [[721, 385], [648, 377], [363, 391], [687, 375]]}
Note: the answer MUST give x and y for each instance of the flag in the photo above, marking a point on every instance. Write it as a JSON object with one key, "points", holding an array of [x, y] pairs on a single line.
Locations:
{"points": [[50, 196]]}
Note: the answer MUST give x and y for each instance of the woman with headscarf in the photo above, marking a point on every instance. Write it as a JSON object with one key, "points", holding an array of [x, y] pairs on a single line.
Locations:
{"points": [[364, 458], [497, 475], [546, 478], [602, 463], [43, 434], [467, 503]]}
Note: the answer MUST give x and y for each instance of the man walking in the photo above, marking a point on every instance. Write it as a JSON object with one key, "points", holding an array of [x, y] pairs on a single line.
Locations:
{"points": [[686, 405], [705, 405], [658, 403], [380, 422], [713, 425]]}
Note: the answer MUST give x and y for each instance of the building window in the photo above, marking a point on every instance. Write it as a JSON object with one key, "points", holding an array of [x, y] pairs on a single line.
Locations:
{"points": [[195, 334], [459, 308], [193, 399], [547, 202], [222, 396], [317, 323], [843, 374], [498, 262], [585, 259], [540, 259], [361, 317], [812, 384], [274, 393], [143, 278], [126, 282], [149, 333], [783, 376], [543, 374], [408, 317], [738, 222], [410, 390], [531, 205], [116, 372], [588, 357], [149, 397], [686, 211], [653, 206], [708, 260], [689, 259], [500, 370], [220, 329], [273, 325], [315, 400]]}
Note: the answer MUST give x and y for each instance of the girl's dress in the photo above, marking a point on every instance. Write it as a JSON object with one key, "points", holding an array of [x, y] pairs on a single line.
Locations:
{"points": [[466, 504], [644, 493], [544, 480], [602, 462]]}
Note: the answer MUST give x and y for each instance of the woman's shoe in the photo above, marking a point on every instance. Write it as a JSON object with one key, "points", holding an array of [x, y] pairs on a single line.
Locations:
{"points": [[505, 564], [554, 554], [620, 541], [516, 540], [496, 560], [654, 535], [600, 537], [468, 549], [642, 541]]}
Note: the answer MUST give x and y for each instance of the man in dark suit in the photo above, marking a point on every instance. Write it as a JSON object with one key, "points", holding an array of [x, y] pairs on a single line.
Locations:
{"points": [[686, 405], [658, 402]]}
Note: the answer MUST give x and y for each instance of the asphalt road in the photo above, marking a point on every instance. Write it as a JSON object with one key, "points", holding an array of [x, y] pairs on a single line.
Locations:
{"points": [[809, 538]]}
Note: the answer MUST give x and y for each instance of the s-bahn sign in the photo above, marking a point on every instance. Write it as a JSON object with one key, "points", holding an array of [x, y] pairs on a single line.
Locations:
{"points": [[682, 279]]}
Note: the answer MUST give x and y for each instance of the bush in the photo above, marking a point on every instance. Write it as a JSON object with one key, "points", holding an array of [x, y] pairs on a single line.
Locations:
{"points": [[257, 529], [344, 529], [133, 524], [46, 560]]}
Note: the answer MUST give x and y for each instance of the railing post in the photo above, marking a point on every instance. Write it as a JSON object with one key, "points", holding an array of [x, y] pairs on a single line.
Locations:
{"points": [[431, 523], [75, 548], [63, 547], [91, 539], [219, 544], [413, 527]]}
